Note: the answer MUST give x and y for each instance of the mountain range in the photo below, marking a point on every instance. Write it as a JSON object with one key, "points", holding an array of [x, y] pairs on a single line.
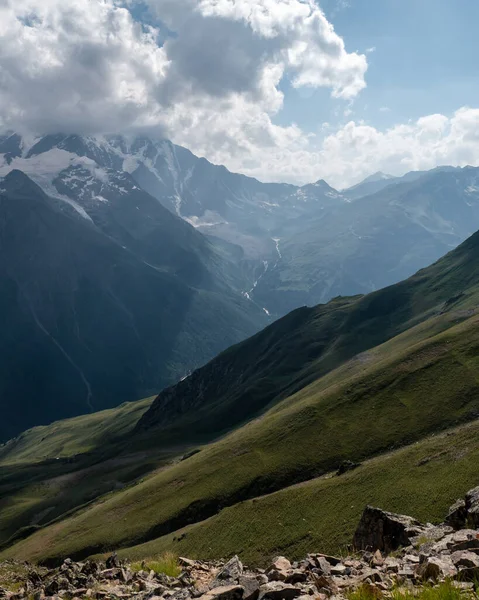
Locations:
{"points": [[103, 308], [363, 381], [134, 262]]}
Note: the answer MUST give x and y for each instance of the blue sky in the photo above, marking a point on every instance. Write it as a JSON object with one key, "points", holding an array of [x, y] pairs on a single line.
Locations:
{"points": [[425, 62]]}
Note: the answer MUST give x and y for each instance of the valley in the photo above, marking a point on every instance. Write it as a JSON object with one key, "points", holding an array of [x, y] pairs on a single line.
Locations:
{"points": [[249, 418], [365, 379]]}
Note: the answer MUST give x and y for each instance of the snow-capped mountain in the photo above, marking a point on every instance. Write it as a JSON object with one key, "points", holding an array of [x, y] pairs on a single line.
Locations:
{"points": [[239, 209]]}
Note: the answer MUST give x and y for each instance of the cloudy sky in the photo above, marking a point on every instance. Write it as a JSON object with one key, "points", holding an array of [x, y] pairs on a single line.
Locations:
{"points": [[284, 90]]}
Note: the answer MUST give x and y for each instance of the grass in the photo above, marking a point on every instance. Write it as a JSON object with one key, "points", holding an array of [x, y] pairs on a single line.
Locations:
{"points": [[71, 437], [443, 591], [333, 394], [400, 394], [307, 344], [166, 564], [43, 473], [422, 479]]}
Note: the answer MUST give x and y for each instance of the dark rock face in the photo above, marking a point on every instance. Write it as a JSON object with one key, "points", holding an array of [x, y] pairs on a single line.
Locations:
{"points": [[385, 531], [87, 323], [465, 511]]}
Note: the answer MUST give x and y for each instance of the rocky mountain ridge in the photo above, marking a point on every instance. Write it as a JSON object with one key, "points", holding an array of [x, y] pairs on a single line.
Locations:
{"points": [[391, 553], [94, 314]]}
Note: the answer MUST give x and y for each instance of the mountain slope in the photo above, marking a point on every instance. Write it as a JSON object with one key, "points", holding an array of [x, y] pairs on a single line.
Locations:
{"points": [[309, 342], [369, 407], [88, 324], [345, 398], [372, 242]]}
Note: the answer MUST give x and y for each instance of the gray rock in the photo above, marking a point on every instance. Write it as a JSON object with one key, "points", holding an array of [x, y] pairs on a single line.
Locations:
{"points": [[275, 590], [323, 565], [250, 586], [457, 515], [227, 592], [465, 559], [229, 574], [385, 531], [436, 568]]}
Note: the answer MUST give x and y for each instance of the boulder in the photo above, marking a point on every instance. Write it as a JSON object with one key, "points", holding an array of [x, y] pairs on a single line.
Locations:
{"points": [[463, 559], [457, 515], [250, 586], [385, 531], [229, 574], [226, 592], [323, 565], [279, 569], [436, 568], [275, 590], [112, 561], [472, 508]]}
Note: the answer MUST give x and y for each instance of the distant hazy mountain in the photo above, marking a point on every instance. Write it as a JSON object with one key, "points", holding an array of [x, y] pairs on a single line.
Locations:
{"points": [[372, 184], [374, 241], [103, 300], [379, 181]]}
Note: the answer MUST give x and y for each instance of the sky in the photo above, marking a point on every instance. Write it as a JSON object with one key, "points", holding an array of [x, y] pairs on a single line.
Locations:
{"points": [[282, 90]]}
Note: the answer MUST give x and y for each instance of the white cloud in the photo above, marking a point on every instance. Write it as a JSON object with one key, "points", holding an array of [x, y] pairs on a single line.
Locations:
{"points": [[213, 86], [370, 50], [357, 150], [87, 66]]}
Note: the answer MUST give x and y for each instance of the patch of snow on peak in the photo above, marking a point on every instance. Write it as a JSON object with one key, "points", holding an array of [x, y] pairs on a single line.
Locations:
{"points": [[209, 219], [130, 164]]}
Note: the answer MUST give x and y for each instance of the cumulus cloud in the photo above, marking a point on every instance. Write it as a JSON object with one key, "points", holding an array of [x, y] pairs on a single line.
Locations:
{"points": [[87, 65], [75, 65], [357, 150], [211, 84]]}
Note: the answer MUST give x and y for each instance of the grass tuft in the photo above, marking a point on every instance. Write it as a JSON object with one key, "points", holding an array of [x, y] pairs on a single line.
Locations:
{"points": [[445, 591], [166, 564]]}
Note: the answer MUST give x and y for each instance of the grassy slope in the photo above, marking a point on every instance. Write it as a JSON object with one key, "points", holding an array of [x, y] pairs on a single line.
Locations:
{"points": [[43, 475], [73, 436], [396, 394], [306, 345], [422, 479]]}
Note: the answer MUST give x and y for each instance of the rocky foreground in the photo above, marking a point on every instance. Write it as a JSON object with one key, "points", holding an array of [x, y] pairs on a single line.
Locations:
{"points": [[389, 551]]}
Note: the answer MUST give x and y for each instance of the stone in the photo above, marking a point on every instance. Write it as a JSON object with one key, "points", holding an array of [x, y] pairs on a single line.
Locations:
{"points": [[325, 584], [250, 586], [296, 576], [279, 569], [323, 565], [465, 558], [186, 562], [457, 515], [385, 531], [340, 570], [112, 561], [231, 570], [227, 592], [275, 590], [436, 568], [465, 539]]}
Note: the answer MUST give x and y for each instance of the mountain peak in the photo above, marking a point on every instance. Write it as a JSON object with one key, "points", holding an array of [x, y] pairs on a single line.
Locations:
{"points": [[17, 180], [378, 176]]}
